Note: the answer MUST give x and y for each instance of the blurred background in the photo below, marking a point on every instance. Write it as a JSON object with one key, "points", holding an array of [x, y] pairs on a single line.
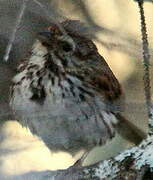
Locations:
{"points": [[116, 30]]}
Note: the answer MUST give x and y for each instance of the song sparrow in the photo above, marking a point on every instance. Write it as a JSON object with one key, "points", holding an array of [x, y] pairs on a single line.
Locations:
{"points": [[65, 92]]}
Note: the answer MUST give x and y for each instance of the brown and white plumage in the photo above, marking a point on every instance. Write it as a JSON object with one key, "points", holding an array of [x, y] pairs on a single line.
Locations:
{"points": [[65, 92]]}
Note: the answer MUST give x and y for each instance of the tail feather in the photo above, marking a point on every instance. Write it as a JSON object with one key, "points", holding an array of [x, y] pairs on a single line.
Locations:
{"points": [[129, 131]]}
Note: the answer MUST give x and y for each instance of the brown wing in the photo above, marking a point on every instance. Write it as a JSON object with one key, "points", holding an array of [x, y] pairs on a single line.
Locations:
{"points": [[104, 80]]}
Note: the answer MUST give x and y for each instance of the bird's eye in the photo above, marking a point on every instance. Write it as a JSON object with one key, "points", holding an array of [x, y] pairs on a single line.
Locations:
{"points": [[66, 46]]}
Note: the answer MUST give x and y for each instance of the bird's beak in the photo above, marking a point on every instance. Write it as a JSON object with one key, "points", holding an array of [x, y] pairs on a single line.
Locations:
{"points": [[44, 37], [46, 34]]}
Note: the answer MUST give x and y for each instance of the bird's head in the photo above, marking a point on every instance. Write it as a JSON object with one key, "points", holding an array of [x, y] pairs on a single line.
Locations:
{"points": [[70, 47], [72, 51]]}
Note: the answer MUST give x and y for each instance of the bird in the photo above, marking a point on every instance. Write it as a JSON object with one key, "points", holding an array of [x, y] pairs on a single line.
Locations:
{"points": [[65, 92]]}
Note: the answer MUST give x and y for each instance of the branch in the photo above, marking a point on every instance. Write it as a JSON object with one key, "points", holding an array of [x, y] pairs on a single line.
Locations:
{"points": [[146, 66], [133, 164]]}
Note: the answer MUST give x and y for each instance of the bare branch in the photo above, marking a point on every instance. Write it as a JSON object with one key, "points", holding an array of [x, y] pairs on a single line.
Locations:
{"points": [[146, 64], [133, 164]]}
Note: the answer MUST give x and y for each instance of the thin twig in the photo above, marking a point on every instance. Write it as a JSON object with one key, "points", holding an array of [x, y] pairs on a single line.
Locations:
{"points": [[13, 35], [146, 65]]}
